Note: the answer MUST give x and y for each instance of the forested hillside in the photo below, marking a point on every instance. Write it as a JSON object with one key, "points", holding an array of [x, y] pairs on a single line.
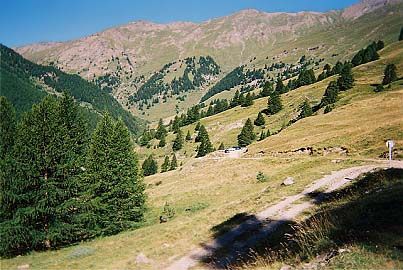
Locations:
{"points": [[25, 83]]}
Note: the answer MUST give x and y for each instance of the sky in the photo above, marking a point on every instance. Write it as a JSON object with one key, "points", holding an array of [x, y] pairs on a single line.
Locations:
{"points": [[30, 21]]}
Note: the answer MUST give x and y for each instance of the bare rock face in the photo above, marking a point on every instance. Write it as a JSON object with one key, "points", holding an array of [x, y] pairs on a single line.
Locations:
{"points": [[366, 6]]}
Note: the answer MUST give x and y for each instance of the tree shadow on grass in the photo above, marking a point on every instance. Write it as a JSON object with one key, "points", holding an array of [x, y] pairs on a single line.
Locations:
{"points": [[368, 212]]}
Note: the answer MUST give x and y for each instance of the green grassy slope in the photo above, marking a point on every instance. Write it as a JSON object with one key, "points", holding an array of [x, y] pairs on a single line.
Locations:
{"points": [[25, 83], [206, 192]]}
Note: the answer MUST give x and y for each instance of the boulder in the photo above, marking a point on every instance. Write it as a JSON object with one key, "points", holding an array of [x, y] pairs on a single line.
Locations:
{"points": [[288, 181]]}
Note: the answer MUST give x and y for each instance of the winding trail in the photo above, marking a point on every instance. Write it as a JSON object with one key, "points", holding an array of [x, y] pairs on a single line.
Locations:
{"points": [[268, 220]]}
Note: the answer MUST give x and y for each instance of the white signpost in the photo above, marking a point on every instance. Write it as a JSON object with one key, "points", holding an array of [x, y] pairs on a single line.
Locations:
{"points": [[390, 144]]}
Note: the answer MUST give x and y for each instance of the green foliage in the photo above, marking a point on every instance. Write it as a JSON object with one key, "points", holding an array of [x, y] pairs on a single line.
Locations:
{"points": [[150, 166], [260, 121], [379, 88], [306, 110], [346, 79], [188, 136], [174, 163], [247, 135], [261, 177], [368, 54], [221, 147], [205, 146], [330, 95], [115, 189], [280, 88], [39, 183], [165, 165], [7, 127], [178, 142], [328, 109], [306, 77], [17, 85], [168, 211], [401, 34], [274, 103], [390, 74], [161, 130], [162, 141], [248, 101]]}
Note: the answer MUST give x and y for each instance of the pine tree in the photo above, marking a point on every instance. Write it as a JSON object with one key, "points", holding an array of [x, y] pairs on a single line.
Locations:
{"points": [[197, 126], [162, 141], [205, 146], [188, 136], [280, 88], [150, 166], [401, 34], [161, 130], [247, 135], [389, 74], [274, 103], [174, 163], [178, 142], [268, 133], [165, 166], [330, 95], [221, 147], [346, 78], [42, 178], [259, 121], [267, 89], [248, 101], [262, 135], [176, 124], [306, 110], [7, 127], [202, 133], [116, 191]]}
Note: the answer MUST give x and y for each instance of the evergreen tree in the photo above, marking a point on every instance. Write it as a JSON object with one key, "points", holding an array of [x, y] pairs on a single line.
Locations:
{"points": [[280, 88], [259, 121], [7, 127], [401, 34], [380, 45], [161, 131], [188, 136], [267, 89], [178, 142], [150, 166], [389, 74], [268, 133], [306, 110], [235, 100], [330, 95], [247, 135], [262, 135], [346, 78], [174, 163], [202, 133], [205, 146], [176, 124], [116, 191], [248, 101], [165, 166], [39, 185], [274, 103], [162, 141], [221, 147], [197, 126]]}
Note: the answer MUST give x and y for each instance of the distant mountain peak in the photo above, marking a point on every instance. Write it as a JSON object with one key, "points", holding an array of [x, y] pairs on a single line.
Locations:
{"points": [[366, 6]]}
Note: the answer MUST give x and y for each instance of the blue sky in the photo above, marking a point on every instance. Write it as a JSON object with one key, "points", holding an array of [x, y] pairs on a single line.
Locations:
{"points": [[28, 21]]}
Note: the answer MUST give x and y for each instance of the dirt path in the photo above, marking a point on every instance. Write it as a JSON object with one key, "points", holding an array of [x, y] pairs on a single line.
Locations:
{"points": [[272, 217]]}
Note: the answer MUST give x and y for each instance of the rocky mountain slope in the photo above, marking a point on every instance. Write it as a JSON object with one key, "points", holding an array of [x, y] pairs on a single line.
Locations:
{"points": [[126, 57]]}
